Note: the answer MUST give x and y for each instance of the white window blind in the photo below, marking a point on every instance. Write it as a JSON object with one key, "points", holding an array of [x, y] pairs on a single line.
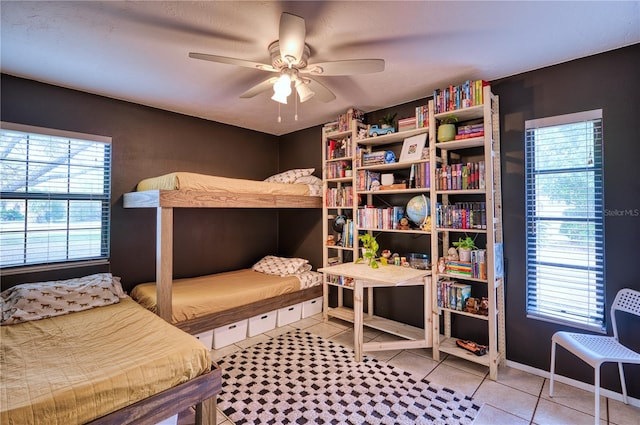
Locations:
{"points": [[55, 196], [565, 220]]}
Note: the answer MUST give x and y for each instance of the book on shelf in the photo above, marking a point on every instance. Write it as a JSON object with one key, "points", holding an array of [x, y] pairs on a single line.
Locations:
{"points": [[367, 180], [461, 176], [452, 294], [339, 197], [422, 175], [476, 268], [337, 169], [373, 158], [422, 116], [370, 217], [407, 124], [461, 215], [461, 96]]}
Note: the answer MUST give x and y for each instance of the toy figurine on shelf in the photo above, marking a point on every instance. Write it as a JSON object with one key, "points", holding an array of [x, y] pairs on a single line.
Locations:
{"points": [[442, 266], [472, 305], [331, 240], [403, 224], [426, 226], [452, 254], [385, 257]]}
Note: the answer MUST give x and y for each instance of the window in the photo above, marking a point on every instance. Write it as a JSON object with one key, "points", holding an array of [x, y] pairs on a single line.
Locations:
{"points": [[55, 197], [565, 220]]}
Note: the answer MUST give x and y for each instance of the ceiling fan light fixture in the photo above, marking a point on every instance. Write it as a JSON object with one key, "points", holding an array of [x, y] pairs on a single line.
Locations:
{"points": [[282, 89], [304, 92]]}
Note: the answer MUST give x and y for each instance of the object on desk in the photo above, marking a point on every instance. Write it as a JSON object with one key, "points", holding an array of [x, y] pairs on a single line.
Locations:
{"points": [[474, 347], [418, 261]]}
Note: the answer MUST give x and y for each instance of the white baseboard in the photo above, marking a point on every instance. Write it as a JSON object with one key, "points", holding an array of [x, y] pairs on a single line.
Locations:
{"points": [[574, 383]]}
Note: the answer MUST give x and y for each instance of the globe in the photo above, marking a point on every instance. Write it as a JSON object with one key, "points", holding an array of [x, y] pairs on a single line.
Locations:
{"points": [[418, 209]]}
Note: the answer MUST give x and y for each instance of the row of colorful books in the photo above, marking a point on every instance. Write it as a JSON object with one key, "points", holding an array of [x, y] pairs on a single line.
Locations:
{"points": [[371, 217], [461, 176], [373, 158], [462, 215], [469, 131], [337, 169], [462, 96], [346, 238], [339, 197], [422, 116], [422, 176], [453, 295], [476, 269]]}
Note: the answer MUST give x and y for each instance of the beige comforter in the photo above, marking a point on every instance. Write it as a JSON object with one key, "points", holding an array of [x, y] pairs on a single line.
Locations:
{"points": [[202, 182], [199, 296], [74, 368]]}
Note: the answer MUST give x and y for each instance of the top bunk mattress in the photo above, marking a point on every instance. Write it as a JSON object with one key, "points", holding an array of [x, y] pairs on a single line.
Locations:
{"points": [[202, 182], [77, 367], [199, 296]]}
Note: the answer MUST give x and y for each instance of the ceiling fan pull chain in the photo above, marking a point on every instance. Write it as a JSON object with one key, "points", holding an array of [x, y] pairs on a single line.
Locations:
{"points": [[296, 115], [279, 117]]}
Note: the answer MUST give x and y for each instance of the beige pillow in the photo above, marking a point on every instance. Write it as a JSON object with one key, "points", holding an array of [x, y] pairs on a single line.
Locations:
{"points": [[290, 176], [280, 266], [40, 300], [309, 180]]}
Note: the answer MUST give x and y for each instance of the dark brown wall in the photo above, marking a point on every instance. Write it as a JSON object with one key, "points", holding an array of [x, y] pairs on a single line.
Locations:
{"points": [[608, 81], [149, 142], [300, 231]]}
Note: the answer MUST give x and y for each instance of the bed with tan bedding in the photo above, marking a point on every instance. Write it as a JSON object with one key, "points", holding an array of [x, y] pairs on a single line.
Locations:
{"points": [[110, 363], [206, 302], [291, 189], [296, 188]]}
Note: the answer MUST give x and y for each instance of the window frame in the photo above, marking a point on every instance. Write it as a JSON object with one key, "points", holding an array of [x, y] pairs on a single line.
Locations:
{"points": [[68, 196], [539, 309]]}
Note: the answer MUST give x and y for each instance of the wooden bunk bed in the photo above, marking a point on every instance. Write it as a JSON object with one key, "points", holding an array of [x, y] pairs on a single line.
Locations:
{"points": [[165, 200]]}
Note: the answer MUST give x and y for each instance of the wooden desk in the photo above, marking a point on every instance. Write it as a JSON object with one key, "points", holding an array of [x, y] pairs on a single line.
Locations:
{"points": [[385, 276]]}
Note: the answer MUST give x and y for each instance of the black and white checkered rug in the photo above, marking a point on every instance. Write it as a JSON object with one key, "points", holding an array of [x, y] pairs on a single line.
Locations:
{"points": [[302, 378]]}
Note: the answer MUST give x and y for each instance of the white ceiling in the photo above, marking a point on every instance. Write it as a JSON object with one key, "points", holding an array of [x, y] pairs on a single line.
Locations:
{"points": [[138, 51]]}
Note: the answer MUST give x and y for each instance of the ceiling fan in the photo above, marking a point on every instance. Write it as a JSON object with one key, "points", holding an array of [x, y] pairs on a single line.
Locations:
{"points": [[289, 58]]}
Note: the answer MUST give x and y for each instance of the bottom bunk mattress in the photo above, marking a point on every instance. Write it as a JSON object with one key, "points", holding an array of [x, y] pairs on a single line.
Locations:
{"points": [[199, 296], [74, 368]]}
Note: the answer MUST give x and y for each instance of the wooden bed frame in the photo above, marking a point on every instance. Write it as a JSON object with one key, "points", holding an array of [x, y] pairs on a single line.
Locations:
{"points": [[164, 201], [200, 392]]}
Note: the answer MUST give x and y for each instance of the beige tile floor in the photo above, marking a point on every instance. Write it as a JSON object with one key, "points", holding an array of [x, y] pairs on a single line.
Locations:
{"points": [[516, 398]]}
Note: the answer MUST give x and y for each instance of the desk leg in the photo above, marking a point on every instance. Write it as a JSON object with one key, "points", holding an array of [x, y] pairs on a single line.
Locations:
{"points": [[357, 319]]}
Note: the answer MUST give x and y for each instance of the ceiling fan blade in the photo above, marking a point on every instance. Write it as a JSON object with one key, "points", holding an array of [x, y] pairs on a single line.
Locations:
{"points": [[291, 37], [346, 67], [233, 61], [259, 88], [322, 93]]}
